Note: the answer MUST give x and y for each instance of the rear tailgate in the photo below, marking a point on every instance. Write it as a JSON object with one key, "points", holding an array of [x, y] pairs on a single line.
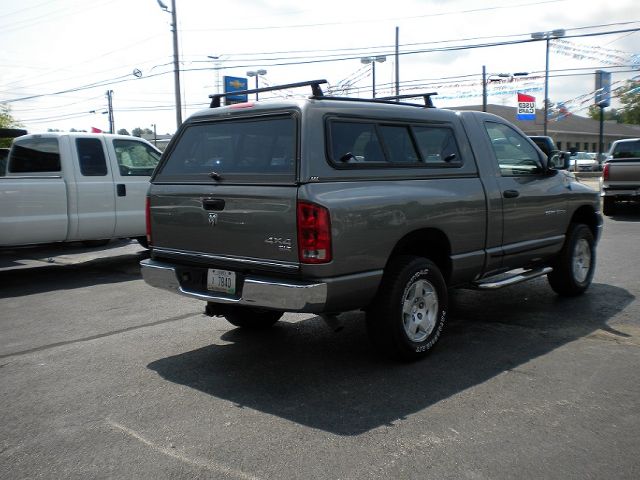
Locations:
{"points": [[226, 192], [623, 172], [248, 222]]}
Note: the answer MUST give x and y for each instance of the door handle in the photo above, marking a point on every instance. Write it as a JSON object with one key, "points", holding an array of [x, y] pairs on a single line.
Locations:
{"points": [[213, 204], [121, 189], [511, 193]]}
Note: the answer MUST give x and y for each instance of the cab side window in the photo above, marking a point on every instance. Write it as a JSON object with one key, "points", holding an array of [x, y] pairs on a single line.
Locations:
{"points": [[34, 155], [514, 154], [135, 158], [91, 156]]}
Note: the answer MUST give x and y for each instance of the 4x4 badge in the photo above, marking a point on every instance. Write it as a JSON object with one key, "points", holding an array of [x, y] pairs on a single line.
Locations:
{"points": [[213, 219]]}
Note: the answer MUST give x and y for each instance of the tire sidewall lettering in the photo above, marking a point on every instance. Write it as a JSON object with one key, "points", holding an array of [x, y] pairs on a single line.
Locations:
{"points": [[435, 334]]}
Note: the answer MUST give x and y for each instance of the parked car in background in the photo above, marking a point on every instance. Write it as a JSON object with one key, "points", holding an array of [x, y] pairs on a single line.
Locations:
{"points": [[583, 162], [548, 147], [621, 174], [4, 153]]}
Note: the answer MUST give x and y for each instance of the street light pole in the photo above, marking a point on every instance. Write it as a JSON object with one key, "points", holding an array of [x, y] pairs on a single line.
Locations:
{"points": [[547, 36], [176, 60], [485, 82], [216, 65], [256, 73], [110, 111], [373, 61]]}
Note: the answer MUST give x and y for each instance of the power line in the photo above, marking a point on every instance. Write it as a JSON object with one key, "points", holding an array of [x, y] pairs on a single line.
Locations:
{"points": [[277, 62], [353, 22]]}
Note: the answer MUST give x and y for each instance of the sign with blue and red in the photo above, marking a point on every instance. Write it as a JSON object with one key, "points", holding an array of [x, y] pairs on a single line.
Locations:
{"points": [[603, 88], [235, 84], [526, 107]]}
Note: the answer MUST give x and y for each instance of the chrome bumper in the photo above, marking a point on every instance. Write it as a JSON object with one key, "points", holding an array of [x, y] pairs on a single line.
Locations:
{"points": [[290, 296]]}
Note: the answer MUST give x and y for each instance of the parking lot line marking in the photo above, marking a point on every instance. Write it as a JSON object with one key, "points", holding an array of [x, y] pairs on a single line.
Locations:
{"points": [[208, 464]]}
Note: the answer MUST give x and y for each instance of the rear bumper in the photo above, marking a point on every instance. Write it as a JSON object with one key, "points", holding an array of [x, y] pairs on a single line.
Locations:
{"points": [[621, 192], [289, 295]]}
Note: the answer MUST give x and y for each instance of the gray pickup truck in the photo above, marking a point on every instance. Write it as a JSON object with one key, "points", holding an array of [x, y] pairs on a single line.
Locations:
{"points": [[329, 204], [621, 174]]}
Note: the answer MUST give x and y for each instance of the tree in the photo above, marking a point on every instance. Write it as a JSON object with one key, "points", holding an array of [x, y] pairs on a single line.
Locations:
{"points": [[629, 95], [612, 114], [138, 132], [123, 131], [7, 121]]}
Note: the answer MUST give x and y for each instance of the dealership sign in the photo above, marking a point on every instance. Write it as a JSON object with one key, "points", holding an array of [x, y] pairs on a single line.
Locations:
{"points": [[235, 84], [603, 88], [526, 107]]}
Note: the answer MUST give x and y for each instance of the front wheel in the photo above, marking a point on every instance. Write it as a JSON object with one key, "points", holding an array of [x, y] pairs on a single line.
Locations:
{"points": [[575, 265], [406, 319]]}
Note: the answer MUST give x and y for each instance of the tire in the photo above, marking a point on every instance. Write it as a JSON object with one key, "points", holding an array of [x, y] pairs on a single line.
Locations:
{"points": [[608, 206], [574, 268], [143, 242], [95, 243], [407, 317], [252, 318]]}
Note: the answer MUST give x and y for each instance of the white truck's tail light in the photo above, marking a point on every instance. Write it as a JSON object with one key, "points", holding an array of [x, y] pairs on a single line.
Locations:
{"points": [[147, 217], [605, 172], [314, 233]]}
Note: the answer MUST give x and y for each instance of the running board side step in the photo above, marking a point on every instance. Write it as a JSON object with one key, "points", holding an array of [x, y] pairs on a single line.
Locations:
{"points": [[500, 281]]}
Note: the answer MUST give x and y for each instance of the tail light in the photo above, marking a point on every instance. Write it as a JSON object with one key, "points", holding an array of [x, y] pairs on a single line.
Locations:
{"points": [[147, 217], [314, 233], [605, 172]]}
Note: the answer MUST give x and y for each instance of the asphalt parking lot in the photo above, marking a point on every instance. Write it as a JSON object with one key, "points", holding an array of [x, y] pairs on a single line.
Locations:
{"points": [[102, 376]]}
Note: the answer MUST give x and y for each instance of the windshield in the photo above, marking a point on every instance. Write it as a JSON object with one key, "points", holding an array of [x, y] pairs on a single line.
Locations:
{"points": [[627, 150], [249, 150]]}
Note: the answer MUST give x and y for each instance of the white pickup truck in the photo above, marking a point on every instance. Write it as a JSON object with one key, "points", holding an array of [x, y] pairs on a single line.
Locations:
{"points": [[66, 187]]}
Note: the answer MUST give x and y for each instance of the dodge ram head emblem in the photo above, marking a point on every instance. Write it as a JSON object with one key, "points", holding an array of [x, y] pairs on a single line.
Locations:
{"points": [[213, 219]]}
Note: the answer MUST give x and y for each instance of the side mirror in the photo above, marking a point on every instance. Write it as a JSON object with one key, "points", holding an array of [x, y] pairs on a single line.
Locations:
{"points": [[559, 161]]}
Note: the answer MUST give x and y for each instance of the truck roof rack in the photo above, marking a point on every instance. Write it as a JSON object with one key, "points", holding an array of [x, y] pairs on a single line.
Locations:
{"points": [[427, 98], [314, 84]]}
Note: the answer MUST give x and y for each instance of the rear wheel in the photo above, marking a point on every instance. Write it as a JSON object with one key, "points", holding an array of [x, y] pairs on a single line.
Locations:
{"points": [[252, 318], [608, 206], [142, 241], [407, 317], [574, 268]]}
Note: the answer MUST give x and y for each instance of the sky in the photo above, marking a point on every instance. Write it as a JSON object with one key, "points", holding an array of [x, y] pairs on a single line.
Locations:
{"points": [[60, 57]]}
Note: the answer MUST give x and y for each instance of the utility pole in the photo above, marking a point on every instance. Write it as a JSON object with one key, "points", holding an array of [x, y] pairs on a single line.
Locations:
{"points": [[547, 36], [176, 61], [397, 62], [112, 127], [484, 88]]}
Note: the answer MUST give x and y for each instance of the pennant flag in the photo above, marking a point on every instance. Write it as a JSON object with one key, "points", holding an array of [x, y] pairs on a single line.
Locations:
{"points": [[95, 130], [526, 107]]}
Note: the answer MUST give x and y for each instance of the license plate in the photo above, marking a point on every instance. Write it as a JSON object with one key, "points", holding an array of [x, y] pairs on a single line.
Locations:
{"points": [[221, 281]]}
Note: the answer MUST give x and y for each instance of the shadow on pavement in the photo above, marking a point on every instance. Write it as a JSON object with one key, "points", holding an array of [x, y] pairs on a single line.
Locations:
{"points": [[52, 277], [304, 373], [626, 212]]}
